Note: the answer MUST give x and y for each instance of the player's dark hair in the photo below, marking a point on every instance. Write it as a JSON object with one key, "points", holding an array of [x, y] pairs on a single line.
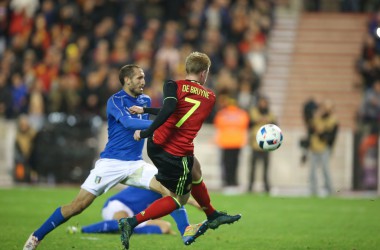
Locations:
{"points": [[197, 62], [127, 71]]}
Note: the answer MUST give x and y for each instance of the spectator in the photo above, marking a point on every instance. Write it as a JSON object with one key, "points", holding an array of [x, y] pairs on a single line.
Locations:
{"points": [[309, 109], [21, 20], [350, 5], [5, 98], [368, 160], [370, 109], [231, 125], [37, 105], [259, 116], [93, 94], [64, 96], [23, 148], [322, 138], [19, 95]]}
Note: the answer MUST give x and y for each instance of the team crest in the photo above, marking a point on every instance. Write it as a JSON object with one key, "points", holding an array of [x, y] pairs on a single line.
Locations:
{"points": [[98, 179]]}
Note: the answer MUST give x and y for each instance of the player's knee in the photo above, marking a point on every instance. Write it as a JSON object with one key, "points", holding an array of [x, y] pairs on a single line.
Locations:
{"points": [[165, 227]]}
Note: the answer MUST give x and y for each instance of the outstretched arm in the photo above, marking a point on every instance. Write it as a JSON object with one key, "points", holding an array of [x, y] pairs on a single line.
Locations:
{"points": [[170, 103], [141, 110]]}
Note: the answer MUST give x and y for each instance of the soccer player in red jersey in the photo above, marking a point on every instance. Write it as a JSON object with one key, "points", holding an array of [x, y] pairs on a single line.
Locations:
{"points": [[187, 103]]}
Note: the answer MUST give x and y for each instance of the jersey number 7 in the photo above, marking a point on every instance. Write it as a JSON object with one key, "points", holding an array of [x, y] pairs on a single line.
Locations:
{"points": [[190, 112]]}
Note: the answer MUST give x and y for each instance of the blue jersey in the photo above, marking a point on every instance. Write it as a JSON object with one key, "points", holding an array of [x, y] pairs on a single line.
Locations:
{"points": [[136, 199], [122, 125]]}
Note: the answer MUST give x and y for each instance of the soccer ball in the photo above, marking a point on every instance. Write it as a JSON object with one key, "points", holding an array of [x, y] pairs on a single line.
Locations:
{"points": [[269, 137]]}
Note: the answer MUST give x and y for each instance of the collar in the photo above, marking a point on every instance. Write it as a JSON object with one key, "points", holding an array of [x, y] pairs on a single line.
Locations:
{"points": [[193, 81]]}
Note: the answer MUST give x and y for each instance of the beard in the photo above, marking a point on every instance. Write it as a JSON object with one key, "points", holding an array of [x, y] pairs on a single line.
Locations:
{"points": [[136, 91]]}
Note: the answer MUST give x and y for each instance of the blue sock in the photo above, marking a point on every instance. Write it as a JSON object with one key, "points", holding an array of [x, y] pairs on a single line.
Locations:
{"points": [[50, 224], [181, 219], [147, 229], [107, 226]]}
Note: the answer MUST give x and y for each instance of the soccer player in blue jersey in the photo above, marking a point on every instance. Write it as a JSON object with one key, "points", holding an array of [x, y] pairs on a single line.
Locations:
{"points": [[129, 202], [120, 162]]}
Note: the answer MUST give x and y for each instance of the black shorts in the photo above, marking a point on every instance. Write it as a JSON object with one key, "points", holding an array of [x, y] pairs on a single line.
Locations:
{"points": [[174, 172]]}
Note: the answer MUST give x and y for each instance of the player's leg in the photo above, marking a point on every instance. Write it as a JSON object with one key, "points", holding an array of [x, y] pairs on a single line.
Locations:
{"points": [[199, 190], [106, 174], [325, 157], [181, 219], [178, 183], [252, 173], [160, 207], [265, 157], [157, 209], [200, 193], [142, 177], [157, 226], [111, 213], [59, 216], [314, 161]]}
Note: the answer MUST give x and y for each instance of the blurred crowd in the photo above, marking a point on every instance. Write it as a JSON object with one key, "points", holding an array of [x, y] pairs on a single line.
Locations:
{"points": [[368, 67], [64, 56]]}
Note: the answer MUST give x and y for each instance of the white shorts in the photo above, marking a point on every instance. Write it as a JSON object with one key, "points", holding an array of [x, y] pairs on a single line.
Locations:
{"points": [[115, 206], [107, 173]]}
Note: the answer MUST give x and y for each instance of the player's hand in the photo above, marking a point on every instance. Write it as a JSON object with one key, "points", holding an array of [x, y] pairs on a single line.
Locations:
{"points": [[136, 110], [136, 135]]}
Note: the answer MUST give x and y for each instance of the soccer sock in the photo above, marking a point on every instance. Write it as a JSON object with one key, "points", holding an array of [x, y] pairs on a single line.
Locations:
{"points": [[200, 194], [157, 209], [181, 219], [107, 226], [50, 224]]}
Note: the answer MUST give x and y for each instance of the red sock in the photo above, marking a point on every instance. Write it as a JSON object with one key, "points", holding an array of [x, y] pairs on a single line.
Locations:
{"points": [[157, 209], [200, 194]]}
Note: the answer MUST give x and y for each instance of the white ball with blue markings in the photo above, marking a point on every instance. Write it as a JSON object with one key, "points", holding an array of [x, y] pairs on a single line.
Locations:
{"points": [[269, 137]]}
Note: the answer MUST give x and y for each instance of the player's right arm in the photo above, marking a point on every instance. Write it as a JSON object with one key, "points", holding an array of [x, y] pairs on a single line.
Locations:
{"points": [[122, 115], [170, 104]]}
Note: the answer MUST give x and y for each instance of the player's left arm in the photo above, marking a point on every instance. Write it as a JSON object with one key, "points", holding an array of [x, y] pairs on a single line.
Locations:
{"points": [[170, 103]]}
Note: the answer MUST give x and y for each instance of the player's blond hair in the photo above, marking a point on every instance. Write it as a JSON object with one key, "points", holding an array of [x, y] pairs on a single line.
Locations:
{"points": [[197, 62]]}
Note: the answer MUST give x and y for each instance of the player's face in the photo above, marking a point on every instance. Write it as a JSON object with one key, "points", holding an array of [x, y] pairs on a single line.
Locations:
{"points": [[135, 85]]}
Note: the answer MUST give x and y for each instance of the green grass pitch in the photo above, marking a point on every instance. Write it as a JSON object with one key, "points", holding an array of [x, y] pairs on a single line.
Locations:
{"points": [[267, 223]]}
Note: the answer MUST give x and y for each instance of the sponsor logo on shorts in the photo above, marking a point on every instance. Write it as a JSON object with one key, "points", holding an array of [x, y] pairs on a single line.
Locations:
{"points": [[98, 179]]}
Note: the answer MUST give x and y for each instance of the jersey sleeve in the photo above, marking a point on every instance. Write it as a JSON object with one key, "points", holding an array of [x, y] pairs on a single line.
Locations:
{"points": [[122, 115], [152, 111], [169, 106]]}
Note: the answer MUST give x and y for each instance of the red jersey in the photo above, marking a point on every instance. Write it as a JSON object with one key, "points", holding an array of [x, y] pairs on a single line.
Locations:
{"points": [[194, 105]]}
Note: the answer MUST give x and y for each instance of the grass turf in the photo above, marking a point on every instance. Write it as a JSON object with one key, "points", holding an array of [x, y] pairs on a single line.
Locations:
{"points": [[267, 223]]}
